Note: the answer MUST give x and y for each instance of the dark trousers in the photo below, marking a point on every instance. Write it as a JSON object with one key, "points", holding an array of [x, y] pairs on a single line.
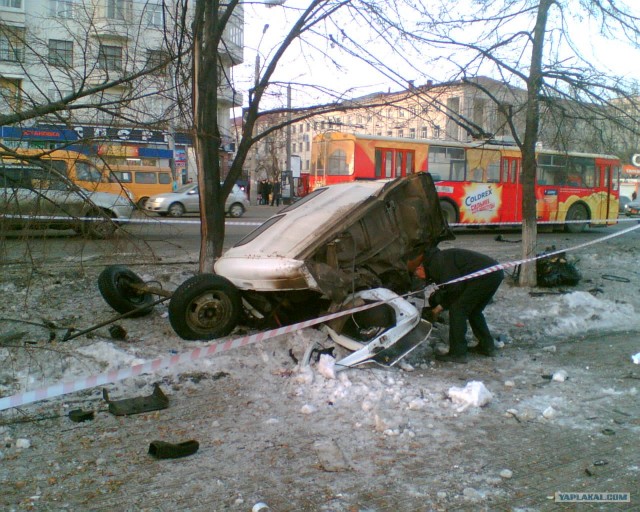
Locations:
{"points": [[469, 306]]}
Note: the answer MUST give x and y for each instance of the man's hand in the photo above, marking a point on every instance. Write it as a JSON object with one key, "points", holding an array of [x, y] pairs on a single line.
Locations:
{"points": [[432, 314]]}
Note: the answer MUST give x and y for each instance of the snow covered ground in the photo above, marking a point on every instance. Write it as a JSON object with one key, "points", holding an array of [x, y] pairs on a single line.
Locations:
{"points": [[277, 432]]}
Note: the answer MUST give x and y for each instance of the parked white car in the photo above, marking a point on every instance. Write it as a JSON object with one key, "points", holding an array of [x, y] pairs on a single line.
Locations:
{"points": [[187, 200], [37, 196]]}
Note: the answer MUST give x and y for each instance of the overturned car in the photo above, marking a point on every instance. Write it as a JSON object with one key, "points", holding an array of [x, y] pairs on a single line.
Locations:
{"points": [[311, 258]]}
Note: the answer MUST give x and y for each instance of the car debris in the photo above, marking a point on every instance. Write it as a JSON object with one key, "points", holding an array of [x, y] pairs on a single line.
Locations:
{"points": [[154, 402], [304, 262]]}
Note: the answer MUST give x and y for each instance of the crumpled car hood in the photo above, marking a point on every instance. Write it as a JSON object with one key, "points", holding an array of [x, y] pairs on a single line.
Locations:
{"points": [[341, 238]]}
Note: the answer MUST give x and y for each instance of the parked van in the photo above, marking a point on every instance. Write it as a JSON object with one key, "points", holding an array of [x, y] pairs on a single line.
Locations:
{"points": [[76, 167], [143, 181], [39, 193]]}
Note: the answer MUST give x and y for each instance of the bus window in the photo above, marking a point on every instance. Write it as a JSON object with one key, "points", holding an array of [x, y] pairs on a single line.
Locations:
{"points": [[146, 178], [164, 178], [504, 176], [388, 162], [122, 176], [409, 162], [398, 164], [378, 169], [87, 172], [514, 171], [493, 172], [552, 170], [446, 161], [337, 163]]}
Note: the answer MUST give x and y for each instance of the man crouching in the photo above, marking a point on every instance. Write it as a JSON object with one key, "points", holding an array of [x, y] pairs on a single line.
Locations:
{"points": [[465, 300]]}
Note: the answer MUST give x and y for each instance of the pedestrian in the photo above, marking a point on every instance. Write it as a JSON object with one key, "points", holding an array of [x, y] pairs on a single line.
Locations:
{"points": [[465, 300], [634, 195], [267, 192], [275, 197], [260, 191]]}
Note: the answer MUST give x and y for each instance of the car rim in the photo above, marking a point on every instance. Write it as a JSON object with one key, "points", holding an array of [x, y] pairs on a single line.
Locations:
{"points": [[207, 311]]}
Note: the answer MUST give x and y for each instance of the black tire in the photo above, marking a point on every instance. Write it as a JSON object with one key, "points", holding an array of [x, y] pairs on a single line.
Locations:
{"points": [[205, 307], [577, 212], [114, 283], [142, 202], [236, 210], [176, 210], [449, 212], [102, 228]]}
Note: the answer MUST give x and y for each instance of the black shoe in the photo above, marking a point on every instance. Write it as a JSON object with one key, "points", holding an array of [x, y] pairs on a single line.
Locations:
{"points": [[452, 358], [164, 450], [483, 351]]}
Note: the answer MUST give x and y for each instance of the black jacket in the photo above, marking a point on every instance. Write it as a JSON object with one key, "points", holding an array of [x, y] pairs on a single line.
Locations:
{"points": [[442, 266]]}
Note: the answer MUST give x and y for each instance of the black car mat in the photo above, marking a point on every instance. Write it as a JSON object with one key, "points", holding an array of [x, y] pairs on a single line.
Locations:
{"points": [[154, 402]]}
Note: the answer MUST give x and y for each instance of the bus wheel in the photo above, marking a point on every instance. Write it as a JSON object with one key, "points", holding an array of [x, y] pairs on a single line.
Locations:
{"points": [[205, 307], [449, 212], [577, 212], [114, 283], [176, 210]]}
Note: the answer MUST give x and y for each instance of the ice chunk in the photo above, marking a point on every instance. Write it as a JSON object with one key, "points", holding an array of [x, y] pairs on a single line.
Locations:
{"points": [[473, 394]]}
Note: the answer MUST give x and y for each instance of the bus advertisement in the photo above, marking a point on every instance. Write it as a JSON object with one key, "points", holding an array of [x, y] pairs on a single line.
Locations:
{"points": [[478, 182]]}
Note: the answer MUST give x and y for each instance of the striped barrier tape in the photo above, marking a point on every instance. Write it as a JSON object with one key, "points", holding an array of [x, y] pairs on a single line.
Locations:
{"points": [[597, 223], [46, 218], [64, 388]]}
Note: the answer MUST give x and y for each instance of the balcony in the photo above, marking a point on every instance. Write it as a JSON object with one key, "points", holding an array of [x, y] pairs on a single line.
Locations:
{"points": [[228, 98]]}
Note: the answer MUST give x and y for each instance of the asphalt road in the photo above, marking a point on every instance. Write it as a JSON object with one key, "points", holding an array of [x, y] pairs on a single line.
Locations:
{"points": [[154, 239]]}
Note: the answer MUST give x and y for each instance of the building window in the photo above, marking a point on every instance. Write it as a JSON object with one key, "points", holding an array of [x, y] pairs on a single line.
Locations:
{"points": [[62, 8], [154, 13], [11, 43], [423, 132], [412, 133], [14, 4], [110, 57], [157, 58], [389, 133], [308, 146], [116, 9], [400, 133], [10, 98], [400, 112], [60, 52]]}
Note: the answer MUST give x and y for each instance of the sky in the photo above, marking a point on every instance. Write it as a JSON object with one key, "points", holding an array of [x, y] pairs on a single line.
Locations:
{"points": [[304, 66]]}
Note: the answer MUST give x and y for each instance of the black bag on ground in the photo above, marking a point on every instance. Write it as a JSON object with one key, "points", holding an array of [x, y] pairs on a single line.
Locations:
{"points": [[556, 270]]}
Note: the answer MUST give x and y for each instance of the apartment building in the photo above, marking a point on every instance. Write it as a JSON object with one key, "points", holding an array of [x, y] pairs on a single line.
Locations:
{"points": [[50, 49], [476, 108]]}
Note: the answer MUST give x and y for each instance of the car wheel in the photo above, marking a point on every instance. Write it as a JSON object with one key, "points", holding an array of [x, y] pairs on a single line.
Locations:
{"points": [[205, 307], [114, 283], [142, 202], [577, 212], [236, 210], [449, 212], [176, 210], [101, 228]]}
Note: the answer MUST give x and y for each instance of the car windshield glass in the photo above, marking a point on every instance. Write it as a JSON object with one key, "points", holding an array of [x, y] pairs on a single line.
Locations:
{"points": [[185, 188], [270, 222], [306, 198]]}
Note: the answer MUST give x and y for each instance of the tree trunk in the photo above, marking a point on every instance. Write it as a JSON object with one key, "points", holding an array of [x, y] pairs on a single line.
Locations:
{"points": [[207, 34], [528, 275]]}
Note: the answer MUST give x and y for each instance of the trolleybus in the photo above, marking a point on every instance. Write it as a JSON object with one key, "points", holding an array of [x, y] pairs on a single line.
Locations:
{"points": [[478, 182]]}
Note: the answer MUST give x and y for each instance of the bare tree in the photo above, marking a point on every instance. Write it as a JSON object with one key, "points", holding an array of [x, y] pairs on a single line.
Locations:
{"points": [[524, 43]]}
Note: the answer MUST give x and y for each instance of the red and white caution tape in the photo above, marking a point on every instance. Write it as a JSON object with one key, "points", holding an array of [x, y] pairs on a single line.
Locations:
{"points": [[64, 388]]}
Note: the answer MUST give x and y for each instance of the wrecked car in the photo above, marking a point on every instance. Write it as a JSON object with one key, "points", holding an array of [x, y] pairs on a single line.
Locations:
{"points": [[304, 261]]}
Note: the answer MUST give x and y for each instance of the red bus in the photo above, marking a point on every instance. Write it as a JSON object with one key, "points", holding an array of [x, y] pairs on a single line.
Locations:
{"points": [[478, 182]]}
